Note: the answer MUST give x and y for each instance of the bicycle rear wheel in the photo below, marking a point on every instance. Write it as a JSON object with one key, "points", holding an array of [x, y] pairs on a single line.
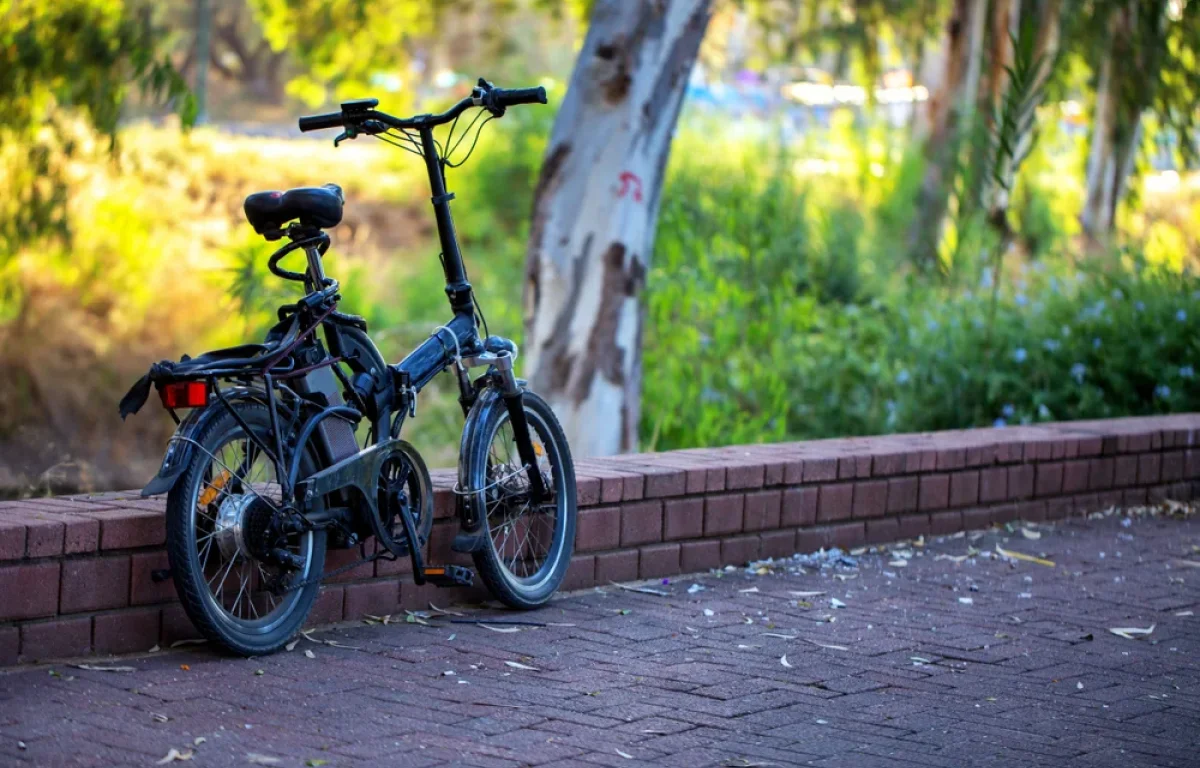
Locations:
{"points": [[222, 518]]}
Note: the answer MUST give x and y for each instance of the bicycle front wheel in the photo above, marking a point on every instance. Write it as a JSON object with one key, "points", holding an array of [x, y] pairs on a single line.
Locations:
{"points": [[529, 544]]}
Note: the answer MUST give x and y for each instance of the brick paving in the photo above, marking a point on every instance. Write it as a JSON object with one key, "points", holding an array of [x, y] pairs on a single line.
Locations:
{"points": [[941, 661]]}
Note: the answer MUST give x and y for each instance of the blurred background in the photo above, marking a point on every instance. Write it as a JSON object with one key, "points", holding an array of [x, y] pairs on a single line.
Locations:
{"points": [[876, 215]]}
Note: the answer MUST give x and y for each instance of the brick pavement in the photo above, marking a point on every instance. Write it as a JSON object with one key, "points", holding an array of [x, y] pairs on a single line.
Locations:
{"points": [[933, 663]]}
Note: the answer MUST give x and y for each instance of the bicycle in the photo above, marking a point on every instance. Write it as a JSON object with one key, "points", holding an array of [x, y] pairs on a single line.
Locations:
{"points": [[265, 473]]}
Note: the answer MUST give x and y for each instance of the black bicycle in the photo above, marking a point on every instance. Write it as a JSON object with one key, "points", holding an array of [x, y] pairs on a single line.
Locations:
{"points": [[265, 472]]}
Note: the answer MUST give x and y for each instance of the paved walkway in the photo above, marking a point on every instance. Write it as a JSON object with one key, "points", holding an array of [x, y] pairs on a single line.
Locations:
{"points": [[926, 658]]}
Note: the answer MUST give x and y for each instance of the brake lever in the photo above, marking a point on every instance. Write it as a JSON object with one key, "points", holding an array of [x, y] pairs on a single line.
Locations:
{"points": [[350, 133]]}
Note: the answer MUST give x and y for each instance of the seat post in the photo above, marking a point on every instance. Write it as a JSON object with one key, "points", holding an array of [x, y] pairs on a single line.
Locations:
{"points": [[316, 272]]}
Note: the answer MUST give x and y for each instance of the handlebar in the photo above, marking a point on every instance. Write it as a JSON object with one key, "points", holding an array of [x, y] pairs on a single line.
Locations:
{"points": [[356, 113]]}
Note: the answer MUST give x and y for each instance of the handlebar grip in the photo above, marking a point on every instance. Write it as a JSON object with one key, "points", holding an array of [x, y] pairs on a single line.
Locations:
{"points": [[507, 97], [321, 122]]}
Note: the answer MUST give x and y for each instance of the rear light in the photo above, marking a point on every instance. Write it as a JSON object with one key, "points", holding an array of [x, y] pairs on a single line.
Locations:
{"points": [[184, 394]]}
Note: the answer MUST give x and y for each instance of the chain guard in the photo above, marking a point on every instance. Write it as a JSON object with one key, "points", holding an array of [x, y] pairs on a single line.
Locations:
{"points": [[404, 486]]}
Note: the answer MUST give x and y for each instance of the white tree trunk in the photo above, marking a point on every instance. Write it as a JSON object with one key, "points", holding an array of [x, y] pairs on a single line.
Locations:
{"points": [[594, 216], [1110, 158], [950, 115]]}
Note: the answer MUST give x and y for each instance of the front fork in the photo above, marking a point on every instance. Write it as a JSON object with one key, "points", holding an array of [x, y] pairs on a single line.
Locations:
{"points": [[510, 391]]}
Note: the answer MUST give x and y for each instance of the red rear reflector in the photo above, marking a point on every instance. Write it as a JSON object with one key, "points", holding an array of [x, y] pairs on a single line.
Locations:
{"points": [[184, 394]]}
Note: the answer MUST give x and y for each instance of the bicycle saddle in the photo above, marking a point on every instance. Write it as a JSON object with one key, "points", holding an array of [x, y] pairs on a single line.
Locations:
{"points": [[319, 207]]}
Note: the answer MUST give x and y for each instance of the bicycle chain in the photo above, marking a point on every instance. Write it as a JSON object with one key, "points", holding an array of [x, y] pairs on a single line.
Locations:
{"points": [[339, 571]]}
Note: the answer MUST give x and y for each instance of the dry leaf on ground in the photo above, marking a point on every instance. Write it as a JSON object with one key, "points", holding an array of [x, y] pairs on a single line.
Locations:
{"points": [[519, 665], [1022, 556], [1132, 633], [175, 755]]}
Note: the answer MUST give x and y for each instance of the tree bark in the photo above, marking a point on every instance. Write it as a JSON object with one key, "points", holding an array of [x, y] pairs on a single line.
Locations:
{"points": [[950, 113], [594, 216], [1114, 138]]}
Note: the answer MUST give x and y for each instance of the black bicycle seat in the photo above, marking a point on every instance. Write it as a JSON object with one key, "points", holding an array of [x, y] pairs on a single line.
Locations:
{"points": [[319, 207]]}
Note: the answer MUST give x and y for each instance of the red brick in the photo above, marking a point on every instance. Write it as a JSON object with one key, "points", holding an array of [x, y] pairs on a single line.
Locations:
{"points": [[1004, 513], [95, 583], [587, 490], [142, 587], [445, 503], [375, 597], [581, 573], [723, 514], [1134, 497], [9, 644], [641, 523], [884, 464], [1100, 474], [778, 543], [59, 639], [811, 539], [1075, 476], [993, 485], [664, 481], [1149, 469], [1172, 466], [739, 550], [761, 511], [29, 591], [43, 534], [617, 566], [177, 626], [870, 499], [683, 519], [976, 518], [835, 502], [744, 474], [883, 530], [847, 535], [951, 458], [699, 555], [327, 608], [851, 467], [126, 631], [658, 560], [945, 523], [1090, 446], [1138, 443], [401, 566], [598, 528], [1125, 471], [1033, 511], [964, 488], [1020, 481], [338, 558], [1191, 463], [980, 456], [799, 507], [1058, 509], [902, 495], [817, 470], [1049, 479], [125, 528], [934, 492], [912, 526], [12, 540]]}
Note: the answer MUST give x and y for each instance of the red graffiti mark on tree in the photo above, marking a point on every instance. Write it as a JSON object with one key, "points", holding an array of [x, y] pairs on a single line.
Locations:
{"points": [[628, 180]]}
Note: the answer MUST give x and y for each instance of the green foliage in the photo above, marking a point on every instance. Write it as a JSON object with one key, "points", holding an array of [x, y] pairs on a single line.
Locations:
{"points": [[58, 60]]}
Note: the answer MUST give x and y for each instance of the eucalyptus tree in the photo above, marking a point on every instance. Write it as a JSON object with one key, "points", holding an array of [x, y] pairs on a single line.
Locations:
{"points": [[1145, 57], [594, 215]]}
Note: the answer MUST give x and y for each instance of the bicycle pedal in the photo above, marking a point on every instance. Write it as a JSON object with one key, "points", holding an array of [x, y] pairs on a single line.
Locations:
{"points": [[449, 576]]}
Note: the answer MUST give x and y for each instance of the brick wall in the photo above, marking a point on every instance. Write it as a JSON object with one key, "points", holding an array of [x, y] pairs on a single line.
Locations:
{"points": [[75, 571]]}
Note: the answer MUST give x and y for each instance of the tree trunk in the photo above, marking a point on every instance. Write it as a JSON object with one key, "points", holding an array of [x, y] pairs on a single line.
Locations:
{"points": [[1109, 156], [594, 216], [949, 116]]}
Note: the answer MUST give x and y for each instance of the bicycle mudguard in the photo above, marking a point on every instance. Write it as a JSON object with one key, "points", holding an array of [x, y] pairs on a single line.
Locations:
{"points": [[179, 449]]}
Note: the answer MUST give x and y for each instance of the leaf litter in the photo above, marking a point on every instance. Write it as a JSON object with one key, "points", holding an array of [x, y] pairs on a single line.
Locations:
{"points": [[1132, 633]]}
